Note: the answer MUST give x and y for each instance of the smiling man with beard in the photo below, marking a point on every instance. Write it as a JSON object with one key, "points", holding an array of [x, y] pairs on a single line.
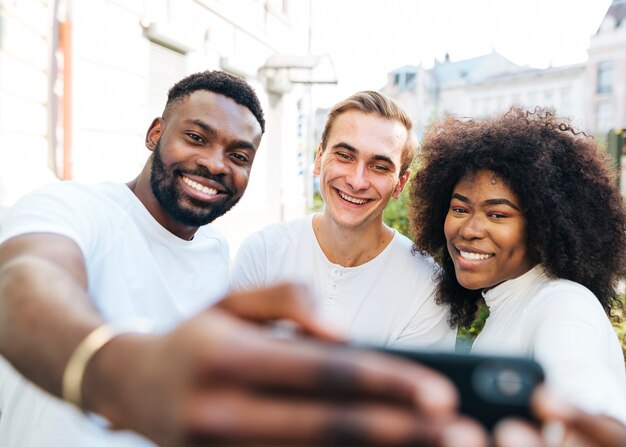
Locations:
{"points": [[203, 149], [80, 264], [141, 250], [169, 195]]}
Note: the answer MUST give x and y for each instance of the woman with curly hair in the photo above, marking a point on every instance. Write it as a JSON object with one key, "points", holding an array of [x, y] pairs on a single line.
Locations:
{"points": [[523, 211]]}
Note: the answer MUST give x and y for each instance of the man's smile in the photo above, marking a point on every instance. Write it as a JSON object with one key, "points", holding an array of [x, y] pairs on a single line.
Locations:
{"points": [[198, 186], [351, 199]]}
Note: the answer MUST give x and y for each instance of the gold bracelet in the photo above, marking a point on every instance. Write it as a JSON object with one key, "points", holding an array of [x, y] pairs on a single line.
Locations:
{"points": [[86, 349]]}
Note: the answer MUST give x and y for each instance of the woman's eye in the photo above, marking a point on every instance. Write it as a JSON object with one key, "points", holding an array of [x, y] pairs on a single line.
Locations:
{"points": [[458, 210], [497, 215]]}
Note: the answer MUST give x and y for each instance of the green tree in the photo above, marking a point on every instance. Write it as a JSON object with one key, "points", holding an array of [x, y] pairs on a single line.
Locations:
{"points": [[395, 214], [619, 322]]}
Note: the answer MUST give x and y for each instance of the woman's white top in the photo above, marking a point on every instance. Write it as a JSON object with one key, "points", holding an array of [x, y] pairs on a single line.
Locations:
{"points": [[563, 326]]}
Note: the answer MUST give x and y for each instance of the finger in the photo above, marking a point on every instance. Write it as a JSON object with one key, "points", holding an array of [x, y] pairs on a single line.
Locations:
{"points": [[517, 433], [548, 406], [230, 415], [600, 430], [279, 302], [331, 370]]}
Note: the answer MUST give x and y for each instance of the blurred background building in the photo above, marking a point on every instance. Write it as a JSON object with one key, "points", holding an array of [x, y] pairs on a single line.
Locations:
{"points": [[80, 82], [592, 94]]}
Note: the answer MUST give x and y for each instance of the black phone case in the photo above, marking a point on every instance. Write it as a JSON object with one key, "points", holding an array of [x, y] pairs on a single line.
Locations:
{"points": [[490, 387]]}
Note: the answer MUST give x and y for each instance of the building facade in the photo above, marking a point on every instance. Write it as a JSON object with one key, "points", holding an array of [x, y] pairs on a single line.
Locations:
{"points": [[605, 72], [80, 82], [591, 94]]}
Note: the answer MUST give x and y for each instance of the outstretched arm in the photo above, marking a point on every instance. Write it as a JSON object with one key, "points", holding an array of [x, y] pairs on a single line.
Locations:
{"points": [[219, 376], [44, 308]]}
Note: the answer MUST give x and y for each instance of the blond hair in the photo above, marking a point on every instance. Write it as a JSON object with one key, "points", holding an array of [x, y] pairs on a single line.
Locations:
{"points": [[369, 101]]}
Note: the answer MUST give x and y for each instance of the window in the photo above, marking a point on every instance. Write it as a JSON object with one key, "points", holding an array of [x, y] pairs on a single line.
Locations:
{"points": [[547, 99], [404, 80], [604, 117], [278, 7], [566, 101], [410, 80], [167, 67], [605, 77], [532, 100]]}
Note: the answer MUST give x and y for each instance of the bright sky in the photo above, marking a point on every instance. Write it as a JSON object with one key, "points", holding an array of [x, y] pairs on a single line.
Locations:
{"points": [[368, 38]]}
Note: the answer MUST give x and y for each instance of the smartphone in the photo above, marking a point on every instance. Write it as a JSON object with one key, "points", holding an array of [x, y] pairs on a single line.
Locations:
{"points": [[491, 387]]}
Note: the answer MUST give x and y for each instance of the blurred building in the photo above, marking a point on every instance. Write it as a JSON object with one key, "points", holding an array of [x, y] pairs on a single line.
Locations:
{"points": [[483, 85], [605, 72], [593, 94], [80, 82]]}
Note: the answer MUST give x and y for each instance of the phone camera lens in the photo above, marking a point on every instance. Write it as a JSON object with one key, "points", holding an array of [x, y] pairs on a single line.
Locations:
{"points": [[509, 382], [498, 382]]}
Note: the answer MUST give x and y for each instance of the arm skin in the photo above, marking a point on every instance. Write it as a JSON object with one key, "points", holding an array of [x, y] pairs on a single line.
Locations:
{"points": [[220, 376], [44, 308], [581, 429]]}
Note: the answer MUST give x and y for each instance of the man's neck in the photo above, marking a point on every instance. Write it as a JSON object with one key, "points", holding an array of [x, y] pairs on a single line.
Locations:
{"points": [[350, 247], [140, 186]]}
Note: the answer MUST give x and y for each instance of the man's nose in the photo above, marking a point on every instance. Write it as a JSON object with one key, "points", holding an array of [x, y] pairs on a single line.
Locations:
{"points": [[358, 178], [214, 160]]}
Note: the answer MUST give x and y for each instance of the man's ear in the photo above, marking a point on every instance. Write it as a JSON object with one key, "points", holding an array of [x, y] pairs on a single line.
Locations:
{"points": [[401, 184], [317, 166], [154, 133]]}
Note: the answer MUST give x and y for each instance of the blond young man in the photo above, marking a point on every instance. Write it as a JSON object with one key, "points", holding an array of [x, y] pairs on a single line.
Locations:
{"points": [[362, 273]]}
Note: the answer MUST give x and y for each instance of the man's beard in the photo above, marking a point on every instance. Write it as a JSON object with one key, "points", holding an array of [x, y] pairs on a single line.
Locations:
{"points": [[184, 209]]}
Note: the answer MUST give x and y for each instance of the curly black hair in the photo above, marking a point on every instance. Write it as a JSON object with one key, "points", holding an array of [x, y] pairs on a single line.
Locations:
{"points": [[575, 217], [220, 82]]}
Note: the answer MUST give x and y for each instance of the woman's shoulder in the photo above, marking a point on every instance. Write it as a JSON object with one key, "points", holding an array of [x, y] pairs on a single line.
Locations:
{"points": [[563, 299], [563, 289]]}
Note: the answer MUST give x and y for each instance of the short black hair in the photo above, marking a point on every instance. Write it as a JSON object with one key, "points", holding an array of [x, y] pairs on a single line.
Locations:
{"points": [[574, 211], [219, 82]]}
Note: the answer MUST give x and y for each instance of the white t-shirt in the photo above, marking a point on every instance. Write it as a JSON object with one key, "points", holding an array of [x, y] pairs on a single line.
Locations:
{"points": [[562, 325], [388, 301], [136, 269]]}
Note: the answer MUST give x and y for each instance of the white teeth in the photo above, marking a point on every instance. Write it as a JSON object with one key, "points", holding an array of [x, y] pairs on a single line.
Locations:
{"points": [[474, 256], [199, 187], [352, 199]]}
